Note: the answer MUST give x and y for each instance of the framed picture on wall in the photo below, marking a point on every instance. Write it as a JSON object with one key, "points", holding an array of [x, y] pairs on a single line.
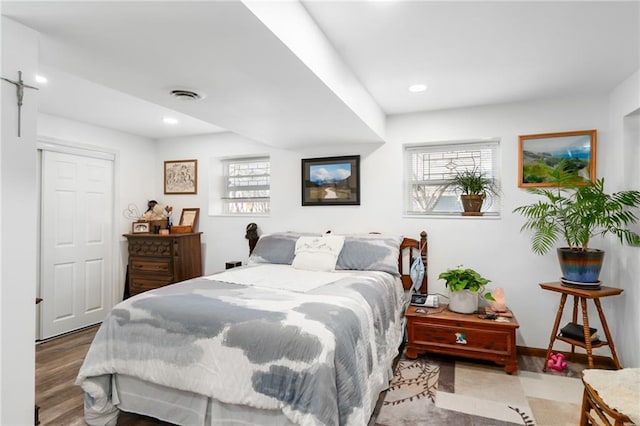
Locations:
{"points": [[541, 154], [181, 177], [331, 181]]}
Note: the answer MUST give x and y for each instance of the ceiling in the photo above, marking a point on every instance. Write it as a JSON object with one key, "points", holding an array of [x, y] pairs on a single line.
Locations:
{"points": [[293, 74]]}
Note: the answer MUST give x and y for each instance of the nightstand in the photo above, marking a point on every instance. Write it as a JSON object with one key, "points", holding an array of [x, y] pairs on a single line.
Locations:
{"points": [[441, 331]]}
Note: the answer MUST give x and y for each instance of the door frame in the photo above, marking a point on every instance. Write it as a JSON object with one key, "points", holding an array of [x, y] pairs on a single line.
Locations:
{"points": [[45, 143]]}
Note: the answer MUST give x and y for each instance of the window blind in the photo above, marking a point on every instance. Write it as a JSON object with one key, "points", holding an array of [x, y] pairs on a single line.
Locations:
{"points": [[429, 167], [247, 185]]}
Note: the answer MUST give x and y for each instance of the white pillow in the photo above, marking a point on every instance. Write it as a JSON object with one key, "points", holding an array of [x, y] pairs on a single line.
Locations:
{"points": [[317, 253]]}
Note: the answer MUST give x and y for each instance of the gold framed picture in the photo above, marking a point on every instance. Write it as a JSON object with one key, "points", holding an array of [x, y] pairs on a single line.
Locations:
{"points": [[542, 154], [140, 227], [181, 177], [189, 217]]}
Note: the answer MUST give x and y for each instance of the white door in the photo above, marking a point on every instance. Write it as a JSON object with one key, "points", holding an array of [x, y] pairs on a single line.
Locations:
{"points": [[76, 241]]}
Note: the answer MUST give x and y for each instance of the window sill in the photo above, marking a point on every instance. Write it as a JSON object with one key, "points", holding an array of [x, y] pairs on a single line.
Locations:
{"points": [[457, 216], [238, 215]]}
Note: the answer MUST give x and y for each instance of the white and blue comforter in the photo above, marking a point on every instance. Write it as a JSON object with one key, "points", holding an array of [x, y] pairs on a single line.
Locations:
{"points": [[321, 356]]}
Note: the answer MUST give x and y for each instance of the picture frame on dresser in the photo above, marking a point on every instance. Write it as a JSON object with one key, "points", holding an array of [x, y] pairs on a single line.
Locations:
{"points": [[189, 217], [181, 177], [140, 227]]}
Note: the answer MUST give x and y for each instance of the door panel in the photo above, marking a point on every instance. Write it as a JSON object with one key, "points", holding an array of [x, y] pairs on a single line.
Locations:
{"points": [[77, 229]]}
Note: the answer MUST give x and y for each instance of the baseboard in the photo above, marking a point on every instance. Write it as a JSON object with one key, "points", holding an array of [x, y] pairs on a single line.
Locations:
{"points": [[577, 356], [48, 339]]}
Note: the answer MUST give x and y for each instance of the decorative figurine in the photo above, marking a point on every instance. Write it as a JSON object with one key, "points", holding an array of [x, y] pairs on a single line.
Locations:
{"points": [[154, 211]]}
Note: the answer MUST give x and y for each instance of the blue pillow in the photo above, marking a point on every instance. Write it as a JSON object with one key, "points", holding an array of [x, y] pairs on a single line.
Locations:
{"points": [[370, 252], [278, 248]]}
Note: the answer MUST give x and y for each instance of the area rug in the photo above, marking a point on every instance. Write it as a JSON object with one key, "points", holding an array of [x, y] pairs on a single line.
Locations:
{"points": [[438, 391]]}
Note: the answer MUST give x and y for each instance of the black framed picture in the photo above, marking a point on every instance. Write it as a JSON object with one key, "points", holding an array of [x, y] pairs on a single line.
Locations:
{"points": [[331, 181]]}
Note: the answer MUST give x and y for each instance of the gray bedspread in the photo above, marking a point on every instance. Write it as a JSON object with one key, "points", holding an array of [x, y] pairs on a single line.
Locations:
{"points": [[321, 357]]}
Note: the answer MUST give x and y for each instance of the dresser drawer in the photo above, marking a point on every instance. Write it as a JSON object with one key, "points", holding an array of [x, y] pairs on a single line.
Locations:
{"points": [[142, 284], [153, 266], [151, 246], [461, 336]]}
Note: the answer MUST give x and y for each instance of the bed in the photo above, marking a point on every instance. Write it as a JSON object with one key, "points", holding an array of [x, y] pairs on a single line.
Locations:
{"points": [[305, 334]]}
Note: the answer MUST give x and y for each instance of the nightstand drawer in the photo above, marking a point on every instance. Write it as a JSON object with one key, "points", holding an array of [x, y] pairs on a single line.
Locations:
{"points": [[459, 335], [151, 266]]}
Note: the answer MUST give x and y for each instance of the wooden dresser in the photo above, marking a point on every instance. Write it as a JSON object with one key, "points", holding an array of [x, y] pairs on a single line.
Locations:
{"points": [[157, 260]]}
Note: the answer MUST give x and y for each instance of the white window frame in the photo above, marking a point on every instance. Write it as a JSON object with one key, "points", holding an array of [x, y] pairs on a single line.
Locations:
{"points": [[247, 204], [429, 166]]}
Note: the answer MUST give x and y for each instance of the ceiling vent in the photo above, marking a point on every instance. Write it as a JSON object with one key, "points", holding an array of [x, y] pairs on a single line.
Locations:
{"points": [[185, 95]]}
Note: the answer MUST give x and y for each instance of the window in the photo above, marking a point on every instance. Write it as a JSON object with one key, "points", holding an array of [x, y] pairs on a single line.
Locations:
{"points": [[429, 167], [246, 185]]}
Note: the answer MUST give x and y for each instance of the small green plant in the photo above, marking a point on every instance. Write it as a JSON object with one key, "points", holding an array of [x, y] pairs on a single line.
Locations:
{"points": [[473, 182], [465, 279]]}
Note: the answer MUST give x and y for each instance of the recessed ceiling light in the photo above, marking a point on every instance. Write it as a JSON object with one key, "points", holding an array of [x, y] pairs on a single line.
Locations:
{"points": [[169, 120], [417, 88], [41, 79]]}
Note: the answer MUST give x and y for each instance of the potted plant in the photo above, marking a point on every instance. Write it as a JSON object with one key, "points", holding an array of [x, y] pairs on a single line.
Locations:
{"points": [[465, 286], [575, 214], [473, 185]]}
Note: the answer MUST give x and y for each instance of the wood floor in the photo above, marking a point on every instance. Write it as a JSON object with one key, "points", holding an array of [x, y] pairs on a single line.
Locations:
{"points": [[60, 400], [57, 364]]}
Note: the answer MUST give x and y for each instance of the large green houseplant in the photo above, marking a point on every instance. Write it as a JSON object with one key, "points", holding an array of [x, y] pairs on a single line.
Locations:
{"points": [[474, 186], [465, 286], [575, 214]]}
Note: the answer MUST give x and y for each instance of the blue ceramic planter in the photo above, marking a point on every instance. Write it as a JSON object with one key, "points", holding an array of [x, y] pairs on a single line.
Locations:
{"points": [[579, 266]]}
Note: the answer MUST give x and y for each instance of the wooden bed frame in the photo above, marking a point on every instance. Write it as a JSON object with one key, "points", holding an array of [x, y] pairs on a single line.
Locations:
{"points": [[420, 248], [413, 246]]}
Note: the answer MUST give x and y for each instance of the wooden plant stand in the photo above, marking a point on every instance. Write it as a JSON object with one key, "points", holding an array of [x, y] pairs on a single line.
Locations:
{"points": [[582, 295]]}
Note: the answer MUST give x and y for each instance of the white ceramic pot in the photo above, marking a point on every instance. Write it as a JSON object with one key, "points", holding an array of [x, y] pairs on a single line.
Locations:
{"points": [[463, 301]]}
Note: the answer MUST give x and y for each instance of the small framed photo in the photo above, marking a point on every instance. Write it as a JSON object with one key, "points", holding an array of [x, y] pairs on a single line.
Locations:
{"points": [[140, 228], [541, 154], [189, 217], [181, 177], [331, 181]]}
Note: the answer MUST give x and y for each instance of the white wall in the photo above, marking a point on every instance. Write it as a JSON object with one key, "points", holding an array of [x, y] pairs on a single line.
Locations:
{"points": [[625, 128], [18, 222], [134, 170], [495, 247], [500, 251]]}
